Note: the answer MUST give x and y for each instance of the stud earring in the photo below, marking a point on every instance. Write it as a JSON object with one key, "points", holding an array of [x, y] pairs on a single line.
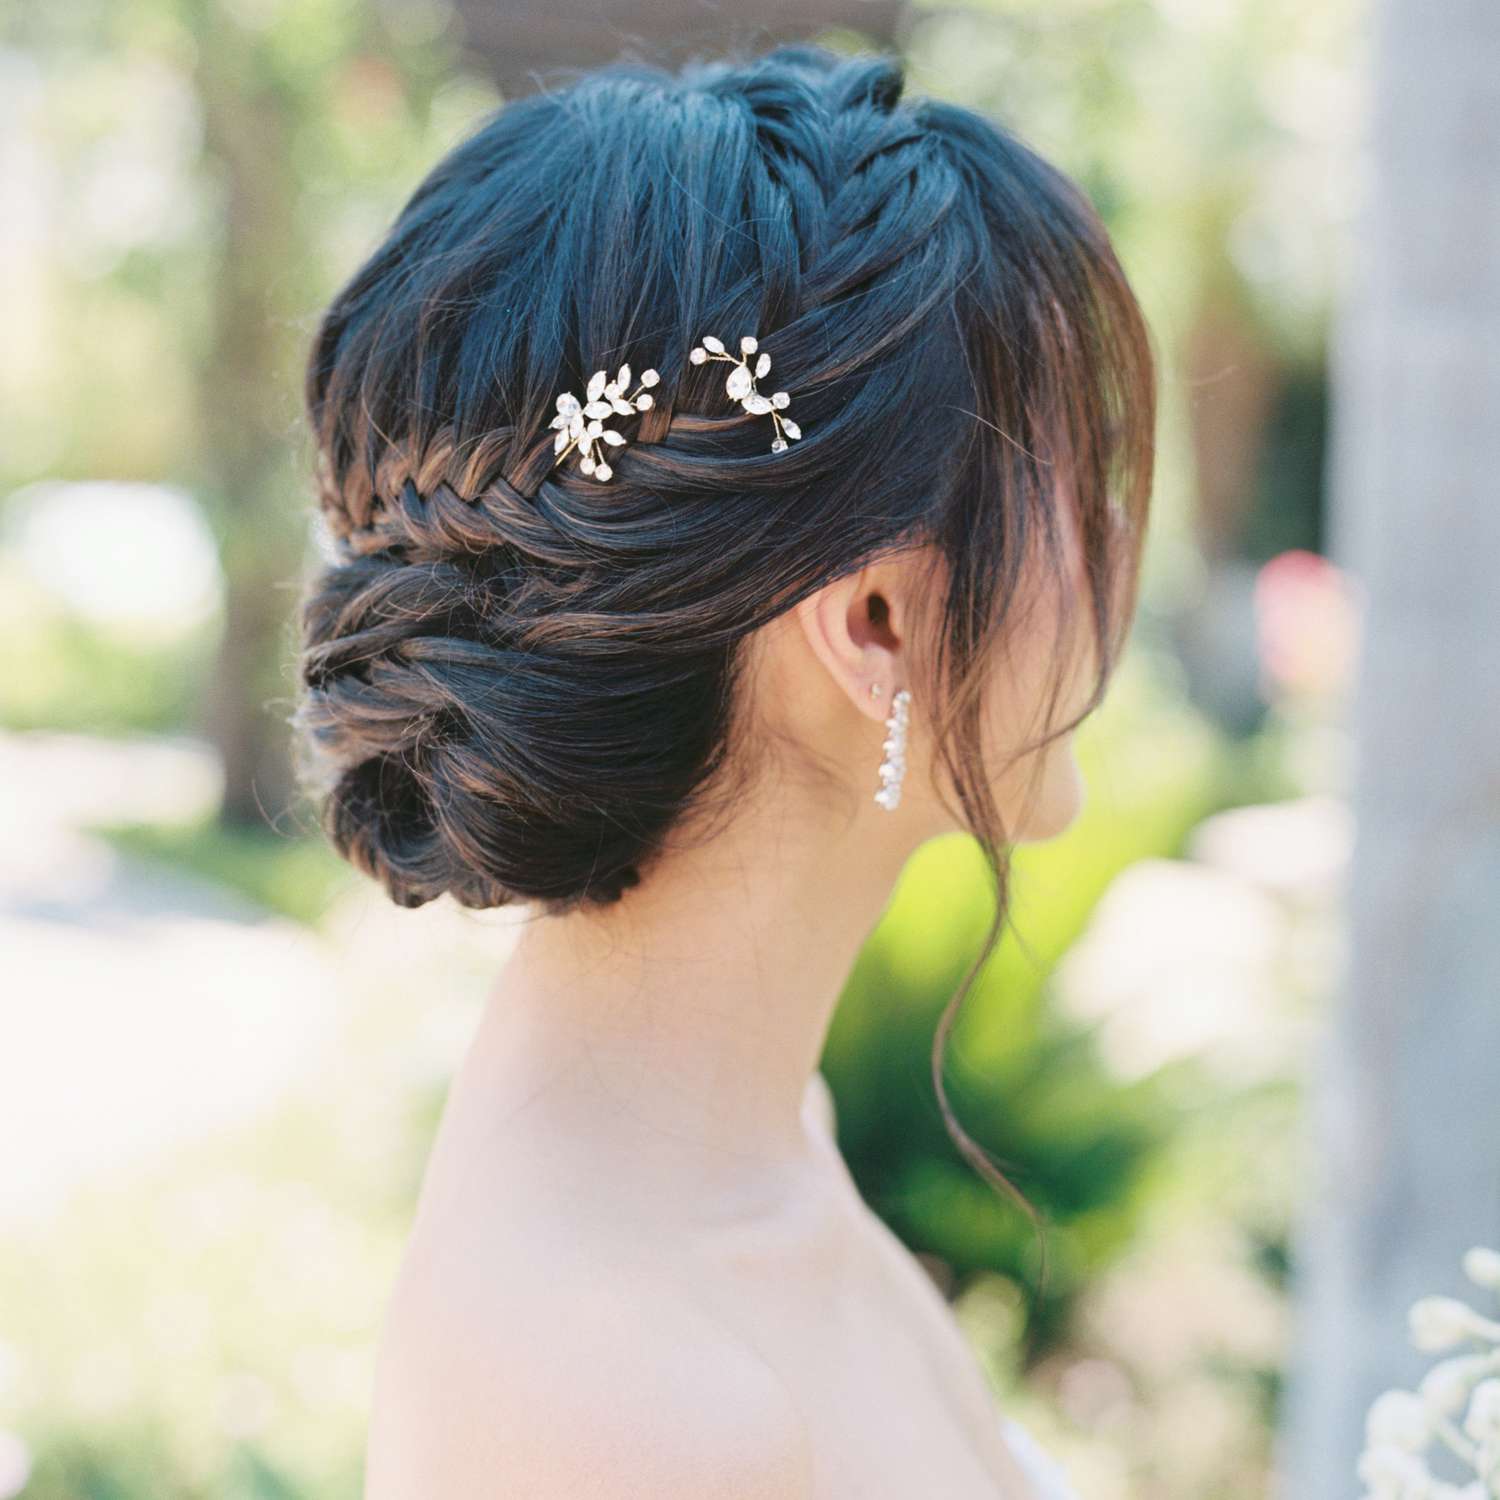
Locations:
{"points": [[893, 767]]}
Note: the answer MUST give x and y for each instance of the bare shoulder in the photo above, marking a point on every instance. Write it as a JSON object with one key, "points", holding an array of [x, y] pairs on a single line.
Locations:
{"points": [[562, 1381]]}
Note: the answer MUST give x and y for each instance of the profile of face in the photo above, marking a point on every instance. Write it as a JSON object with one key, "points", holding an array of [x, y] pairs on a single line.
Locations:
{"points": [[872, 628]]}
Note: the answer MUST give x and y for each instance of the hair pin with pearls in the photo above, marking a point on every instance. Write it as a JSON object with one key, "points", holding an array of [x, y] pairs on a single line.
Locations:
{"points": [[741, 384], [580, 424]]}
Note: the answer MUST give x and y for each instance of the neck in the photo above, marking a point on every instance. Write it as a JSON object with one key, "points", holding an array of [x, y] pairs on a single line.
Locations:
{"points": [[675, 1033]]}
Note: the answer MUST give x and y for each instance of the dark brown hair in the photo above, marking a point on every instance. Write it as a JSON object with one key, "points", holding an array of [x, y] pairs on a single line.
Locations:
{"points": [[516, 680]]}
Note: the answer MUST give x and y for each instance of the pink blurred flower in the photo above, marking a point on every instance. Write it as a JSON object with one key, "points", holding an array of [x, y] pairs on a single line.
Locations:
{"points": [[1307, 625]]}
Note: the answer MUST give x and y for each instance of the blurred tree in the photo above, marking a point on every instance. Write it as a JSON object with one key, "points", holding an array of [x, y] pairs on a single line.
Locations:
{"points": [[278, 86], [1408, 1165], [221, 165], [250, 118]]}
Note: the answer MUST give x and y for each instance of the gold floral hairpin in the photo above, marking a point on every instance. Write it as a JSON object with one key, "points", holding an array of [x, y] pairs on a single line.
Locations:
{"points": [[580, 424], [741, 384]]}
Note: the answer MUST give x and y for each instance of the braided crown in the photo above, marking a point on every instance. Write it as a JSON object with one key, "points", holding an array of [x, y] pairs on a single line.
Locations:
{"points": [[420, 500], [450, 499]]}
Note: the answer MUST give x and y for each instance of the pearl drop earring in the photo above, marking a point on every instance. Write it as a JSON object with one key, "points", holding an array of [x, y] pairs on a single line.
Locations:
{"points": [[893, 767]]}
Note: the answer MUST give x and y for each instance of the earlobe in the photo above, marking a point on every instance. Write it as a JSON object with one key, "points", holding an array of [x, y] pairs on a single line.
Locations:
{"points": [[847, 625]]}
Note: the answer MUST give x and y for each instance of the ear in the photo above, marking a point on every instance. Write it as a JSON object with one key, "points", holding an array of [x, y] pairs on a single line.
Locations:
{"points": [[856, 627]]}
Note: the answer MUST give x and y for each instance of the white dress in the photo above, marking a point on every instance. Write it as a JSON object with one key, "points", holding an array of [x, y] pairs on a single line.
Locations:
{"points": [[1044, 1471]]}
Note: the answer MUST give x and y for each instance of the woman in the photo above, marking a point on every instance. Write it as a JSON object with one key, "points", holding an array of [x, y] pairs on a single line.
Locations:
{"points": [[895, 448]]}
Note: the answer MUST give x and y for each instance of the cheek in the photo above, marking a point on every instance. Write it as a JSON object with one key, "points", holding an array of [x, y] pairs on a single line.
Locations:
{"points": [[1044, 795], [1042, 791], [1062, 794], [1038, 794]]}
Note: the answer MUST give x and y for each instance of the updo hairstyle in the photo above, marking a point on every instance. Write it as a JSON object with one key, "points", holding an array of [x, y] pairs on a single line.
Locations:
{"points": [[516, 679]]}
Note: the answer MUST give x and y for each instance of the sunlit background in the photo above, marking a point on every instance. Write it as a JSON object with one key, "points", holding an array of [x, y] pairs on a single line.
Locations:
{"points": [[222, 1055]]}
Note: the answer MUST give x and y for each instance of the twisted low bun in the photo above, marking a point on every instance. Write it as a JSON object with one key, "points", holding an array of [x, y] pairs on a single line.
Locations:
{"points": [[517, 680], [482, 745]]}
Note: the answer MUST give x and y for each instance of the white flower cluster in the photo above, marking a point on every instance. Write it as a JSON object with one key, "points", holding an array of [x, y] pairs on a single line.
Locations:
{"points": [[740, 384], [580, 424], [1456, 1406]]}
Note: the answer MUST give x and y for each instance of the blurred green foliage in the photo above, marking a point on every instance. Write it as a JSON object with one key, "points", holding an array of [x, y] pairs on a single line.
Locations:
{"points": [[64, 672]]}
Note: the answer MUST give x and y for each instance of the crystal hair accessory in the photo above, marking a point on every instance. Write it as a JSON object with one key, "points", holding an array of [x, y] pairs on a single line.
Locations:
{"points": [[741, 384], [893, 767], [580, 424]]}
